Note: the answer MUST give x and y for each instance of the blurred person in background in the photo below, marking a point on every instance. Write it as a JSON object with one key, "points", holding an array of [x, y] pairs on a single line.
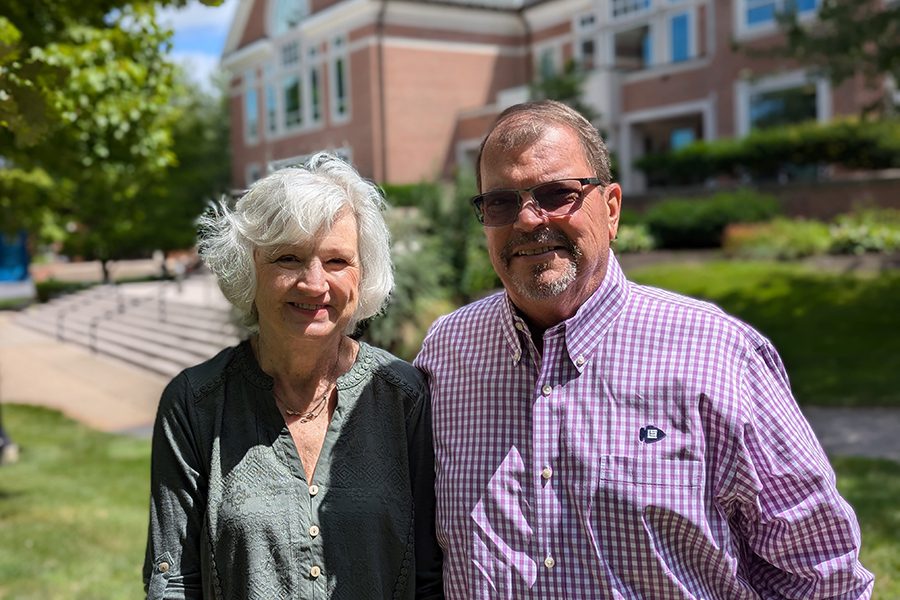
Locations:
{"points": [[298, 464]]}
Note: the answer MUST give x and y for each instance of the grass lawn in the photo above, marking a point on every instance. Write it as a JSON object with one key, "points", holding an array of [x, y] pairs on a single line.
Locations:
{"points": [[838, 334], [73, 511], [872, 488]]}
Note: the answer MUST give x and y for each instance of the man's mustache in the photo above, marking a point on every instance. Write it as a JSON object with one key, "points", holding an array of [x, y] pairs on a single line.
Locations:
{"points": [[544, 237]]}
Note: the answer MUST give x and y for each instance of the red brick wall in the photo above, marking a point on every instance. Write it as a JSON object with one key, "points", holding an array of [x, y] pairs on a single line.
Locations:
{"points": [[427, 89], [359, 133], [256, 24], [539, 35]]}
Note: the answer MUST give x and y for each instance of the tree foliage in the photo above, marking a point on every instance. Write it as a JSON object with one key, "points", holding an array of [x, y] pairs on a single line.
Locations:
{"points": [[848, 38], [200, 175], [566, 86], [86, 118]]}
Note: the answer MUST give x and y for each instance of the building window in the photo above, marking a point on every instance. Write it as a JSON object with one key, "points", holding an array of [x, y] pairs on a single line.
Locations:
{"points": [[585, 45], [680, 36], [681, 137], [251, 107], [621, 8], [290, 54], [782, 99], [587, 51], [252, 173], [764, 12], [340, 82], [271, 109], [633, 49], [548, 65], [338, 79], [287, 14], [783, 107], [315, 94], [293, 101]]}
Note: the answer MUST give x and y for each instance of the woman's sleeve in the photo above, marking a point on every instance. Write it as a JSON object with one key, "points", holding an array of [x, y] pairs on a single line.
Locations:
{"points": [[177, 499], [429, 558]]}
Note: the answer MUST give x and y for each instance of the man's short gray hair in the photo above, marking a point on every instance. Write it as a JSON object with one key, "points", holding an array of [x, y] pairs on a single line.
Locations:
{"points": [[524, 124], [293, 206]]}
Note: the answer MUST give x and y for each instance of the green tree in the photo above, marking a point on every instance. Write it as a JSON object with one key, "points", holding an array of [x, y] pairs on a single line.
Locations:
{"points": [[566, 86], [85, 119], [200, 175], [847, 38]]}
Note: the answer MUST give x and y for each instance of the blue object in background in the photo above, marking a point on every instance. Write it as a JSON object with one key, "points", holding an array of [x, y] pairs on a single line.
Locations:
{"points": [[14, 257]]}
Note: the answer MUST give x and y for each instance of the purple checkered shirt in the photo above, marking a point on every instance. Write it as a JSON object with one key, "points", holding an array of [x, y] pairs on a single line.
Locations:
{"points": [[653, 451]]}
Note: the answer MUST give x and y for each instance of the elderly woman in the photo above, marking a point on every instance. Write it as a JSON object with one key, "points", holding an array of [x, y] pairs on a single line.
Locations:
{"points": [[299, 463]]}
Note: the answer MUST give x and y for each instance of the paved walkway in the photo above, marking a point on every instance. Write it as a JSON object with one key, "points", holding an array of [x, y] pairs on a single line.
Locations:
{"points": [[114, 396], [97, 390], [101, 392]]}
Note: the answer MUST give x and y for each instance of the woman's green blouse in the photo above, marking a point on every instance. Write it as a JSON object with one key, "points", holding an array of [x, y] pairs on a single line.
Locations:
{"points": [[233, 516]]}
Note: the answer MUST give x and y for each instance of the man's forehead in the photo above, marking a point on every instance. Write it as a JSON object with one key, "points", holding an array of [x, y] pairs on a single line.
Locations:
{"points": [[548, 147]]}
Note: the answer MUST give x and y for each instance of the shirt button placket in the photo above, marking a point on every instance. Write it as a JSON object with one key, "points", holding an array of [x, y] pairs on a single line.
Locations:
{"points": [[314, 570]]}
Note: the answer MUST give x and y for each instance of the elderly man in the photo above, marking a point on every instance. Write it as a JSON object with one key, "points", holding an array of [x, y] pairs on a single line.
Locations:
{"points": [[599, 439]]}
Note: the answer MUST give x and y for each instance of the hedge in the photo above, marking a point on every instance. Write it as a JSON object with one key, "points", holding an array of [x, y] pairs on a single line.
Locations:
{"points": [[768, 153], [700, 222]]}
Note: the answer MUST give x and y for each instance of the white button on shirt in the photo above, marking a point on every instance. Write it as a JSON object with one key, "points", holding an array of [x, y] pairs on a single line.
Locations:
{"points": [[313, 490], [549, 562], [546, 389], [313, 530], [547, 473], [314, 571]]}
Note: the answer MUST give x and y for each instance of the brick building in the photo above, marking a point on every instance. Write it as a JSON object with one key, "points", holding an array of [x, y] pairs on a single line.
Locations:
{"points": [[407, 88]]}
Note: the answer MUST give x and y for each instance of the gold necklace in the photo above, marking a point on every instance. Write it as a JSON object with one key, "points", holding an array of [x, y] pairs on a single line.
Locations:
{"points": [[311, 414]]}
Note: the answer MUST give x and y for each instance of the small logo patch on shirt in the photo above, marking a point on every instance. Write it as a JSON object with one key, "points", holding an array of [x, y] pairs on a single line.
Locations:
{"points": [[651, 434]]}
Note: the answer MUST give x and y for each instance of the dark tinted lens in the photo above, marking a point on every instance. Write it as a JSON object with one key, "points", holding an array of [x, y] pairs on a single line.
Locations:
{"points": [[500, 207], [556, 197]]}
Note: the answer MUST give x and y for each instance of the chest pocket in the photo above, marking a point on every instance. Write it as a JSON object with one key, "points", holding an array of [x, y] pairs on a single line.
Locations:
{"points": [[657, 472], [629, 489], [645, 512]]}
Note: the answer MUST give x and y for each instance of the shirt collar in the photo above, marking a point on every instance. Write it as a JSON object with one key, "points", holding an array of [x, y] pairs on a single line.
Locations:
{"points": [[585, 328]]}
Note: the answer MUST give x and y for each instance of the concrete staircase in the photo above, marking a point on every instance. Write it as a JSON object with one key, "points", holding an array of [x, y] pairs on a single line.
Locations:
{"points": [[160, 326]]}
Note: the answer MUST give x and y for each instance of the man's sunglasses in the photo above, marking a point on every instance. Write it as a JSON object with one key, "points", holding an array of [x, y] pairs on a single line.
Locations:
{"points": [[499, 208]]}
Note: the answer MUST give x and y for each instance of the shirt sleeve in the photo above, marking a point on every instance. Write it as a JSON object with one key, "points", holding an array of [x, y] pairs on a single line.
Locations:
{"points": [[429, 559], [801, 539], [177, 500]]}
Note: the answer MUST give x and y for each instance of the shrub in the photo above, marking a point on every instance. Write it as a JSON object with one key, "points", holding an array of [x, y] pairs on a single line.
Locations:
{"points": [[630, 216], [54, 288], [768, 153], [700, 222], [633, 238], [424, 194], [782, 239], [872, 230]]}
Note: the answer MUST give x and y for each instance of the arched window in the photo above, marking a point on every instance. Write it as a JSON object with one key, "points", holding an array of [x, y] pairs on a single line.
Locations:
{"points": [[285, 14]]}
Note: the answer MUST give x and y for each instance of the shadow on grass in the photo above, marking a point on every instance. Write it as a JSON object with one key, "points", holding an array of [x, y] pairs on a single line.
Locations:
{"points": [[872, 488], [837, 333]]}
